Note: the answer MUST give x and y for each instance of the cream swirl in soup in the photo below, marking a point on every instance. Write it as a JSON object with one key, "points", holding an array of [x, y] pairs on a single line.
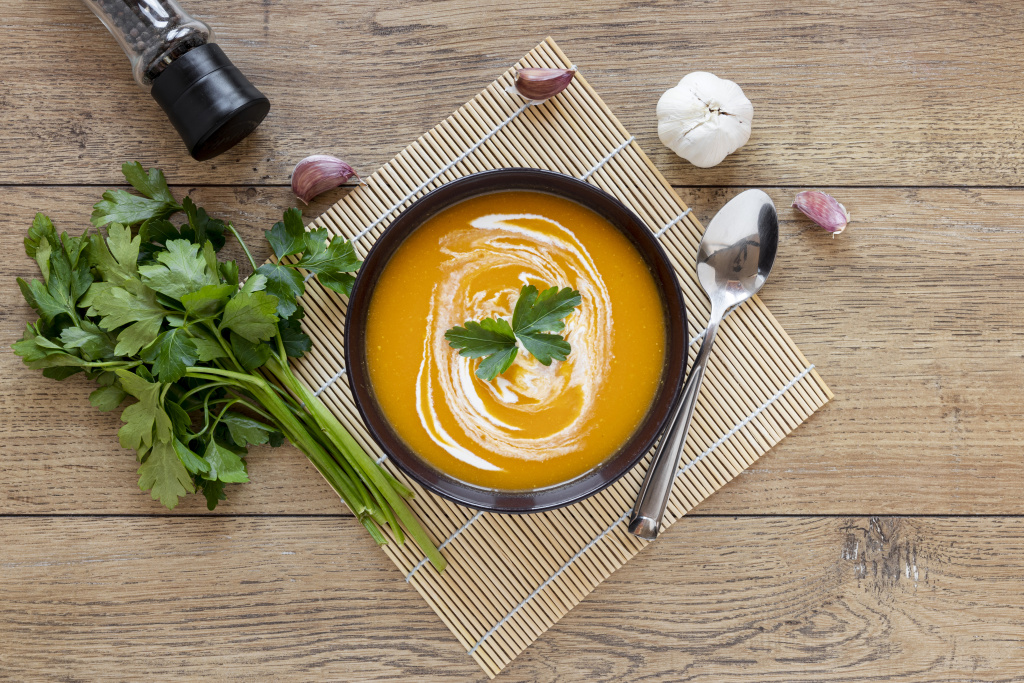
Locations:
{"points": [[496, 415], [533, 425]]}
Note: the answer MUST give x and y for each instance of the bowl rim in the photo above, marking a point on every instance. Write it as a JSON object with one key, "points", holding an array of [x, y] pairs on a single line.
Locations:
{"points": [[648, 429]]}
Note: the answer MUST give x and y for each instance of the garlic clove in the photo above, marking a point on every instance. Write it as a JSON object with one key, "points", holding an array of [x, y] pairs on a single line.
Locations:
{"points": [[824, 210], [316, 174], [542, 84], [704, 118]]}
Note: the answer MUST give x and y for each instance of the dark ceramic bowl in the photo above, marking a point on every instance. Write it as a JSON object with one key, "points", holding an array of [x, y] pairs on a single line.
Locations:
{"points": [[647, 431]]}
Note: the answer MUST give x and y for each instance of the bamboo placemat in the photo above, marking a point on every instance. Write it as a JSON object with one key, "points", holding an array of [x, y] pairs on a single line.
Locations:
{"points": [[510, 578]]}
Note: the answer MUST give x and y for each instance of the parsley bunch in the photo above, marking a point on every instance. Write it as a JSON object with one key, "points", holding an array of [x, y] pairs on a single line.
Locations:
{"points": [[537, 316], [149, 312]]}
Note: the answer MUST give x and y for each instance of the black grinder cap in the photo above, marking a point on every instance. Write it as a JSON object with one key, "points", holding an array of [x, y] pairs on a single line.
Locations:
{"points": [[211, 103]]}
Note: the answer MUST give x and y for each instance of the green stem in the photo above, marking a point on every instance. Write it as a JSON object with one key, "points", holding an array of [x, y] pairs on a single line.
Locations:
{"points": [[244, 248], [202, 373], [111, 363], [253, 408], [316, 432], [296, 432], [223, 344], [363, 463], [204, 387]]}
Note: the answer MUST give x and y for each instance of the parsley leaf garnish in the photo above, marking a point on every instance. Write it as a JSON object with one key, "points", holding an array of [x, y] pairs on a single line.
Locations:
{"points": [[535, 320]]}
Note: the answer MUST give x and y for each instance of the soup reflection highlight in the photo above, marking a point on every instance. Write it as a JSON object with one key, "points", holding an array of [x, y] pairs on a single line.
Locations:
{"points": [[534, 425]]}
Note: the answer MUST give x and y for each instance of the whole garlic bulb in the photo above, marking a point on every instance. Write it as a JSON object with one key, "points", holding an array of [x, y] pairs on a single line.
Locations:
{"points": [[704, 119]]}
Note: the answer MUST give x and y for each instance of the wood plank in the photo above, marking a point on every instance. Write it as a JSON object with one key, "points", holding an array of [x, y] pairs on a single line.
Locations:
{"points": [[765, 599], [924, 359], [862, 92]]}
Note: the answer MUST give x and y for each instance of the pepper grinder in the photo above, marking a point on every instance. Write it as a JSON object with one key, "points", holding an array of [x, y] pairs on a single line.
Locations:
{"points": [[210, 102]]}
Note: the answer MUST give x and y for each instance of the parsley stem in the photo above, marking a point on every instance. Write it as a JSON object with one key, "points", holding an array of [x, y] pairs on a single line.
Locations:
{"points": [[238, 376], [111, 364], [242, 242], [216, 420], [253, 408], [375, 476], [282, 354], [209, 386]]}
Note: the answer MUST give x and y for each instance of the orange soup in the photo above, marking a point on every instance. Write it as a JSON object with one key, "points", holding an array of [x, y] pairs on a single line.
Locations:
{"points": [[534, 425]]}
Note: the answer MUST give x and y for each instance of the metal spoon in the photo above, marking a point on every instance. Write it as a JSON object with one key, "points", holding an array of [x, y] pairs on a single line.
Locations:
{"points": [[733, 261]]}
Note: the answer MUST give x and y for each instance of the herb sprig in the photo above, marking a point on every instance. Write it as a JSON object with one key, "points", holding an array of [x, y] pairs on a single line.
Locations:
{"points": [[537, 317], [149, 311]]}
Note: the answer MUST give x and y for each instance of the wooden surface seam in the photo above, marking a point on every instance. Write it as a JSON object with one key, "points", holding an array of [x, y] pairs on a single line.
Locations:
{"points": [[882, 540]]}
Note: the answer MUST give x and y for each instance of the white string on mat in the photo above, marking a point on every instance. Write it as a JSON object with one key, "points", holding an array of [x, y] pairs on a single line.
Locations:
{"points": [[551, 578], [743, 423], [408, 577], [331, 381], [476, 145], [607, 158], [672, 223]]}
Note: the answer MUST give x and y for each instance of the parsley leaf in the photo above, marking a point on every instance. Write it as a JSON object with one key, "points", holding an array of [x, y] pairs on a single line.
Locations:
{"points": [[244, 430], [192, 462], [476, 339], [140, 311], [163, 474], [116, 257], [43, 354], [171, 354], [107, 398], [545, 347], [251, 315], [332, 262], [207, 348], [90, 339], [207, 301], [287, 236], [181, 270], [129, 209], [225, 465], [40, 234], [536, 316], [151, 183], [286, 284], [337, 282], [251, 355], [201, 228], [214, 492], [543, 312], [296, 342], [144, 419]]}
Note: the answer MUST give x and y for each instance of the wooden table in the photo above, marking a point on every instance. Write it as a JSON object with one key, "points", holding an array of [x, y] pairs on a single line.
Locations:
{"points": [[883, 539]]}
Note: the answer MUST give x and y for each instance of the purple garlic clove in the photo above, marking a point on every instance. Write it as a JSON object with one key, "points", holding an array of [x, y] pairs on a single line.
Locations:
{"points": [[541, 84], [824, 210], [316, 174]]}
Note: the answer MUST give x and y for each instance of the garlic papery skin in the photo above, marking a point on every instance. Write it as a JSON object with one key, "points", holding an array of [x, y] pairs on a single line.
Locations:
{"points": [[538, 85], [824, 210], [316, 174], [704, 119]]}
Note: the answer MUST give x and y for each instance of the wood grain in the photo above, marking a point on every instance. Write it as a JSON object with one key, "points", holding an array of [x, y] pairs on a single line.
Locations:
{"points": [[862, 92], [912, 315], [756, 598]]}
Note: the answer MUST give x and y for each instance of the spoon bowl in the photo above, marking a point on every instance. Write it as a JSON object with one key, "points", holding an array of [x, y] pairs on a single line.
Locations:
{"points": [[738, 248], [735, 257]]}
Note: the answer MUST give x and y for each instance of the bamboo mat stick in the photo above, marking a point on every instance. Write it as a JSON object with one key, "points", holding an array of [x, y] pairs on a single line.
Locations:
{"points": [[510, 578]]}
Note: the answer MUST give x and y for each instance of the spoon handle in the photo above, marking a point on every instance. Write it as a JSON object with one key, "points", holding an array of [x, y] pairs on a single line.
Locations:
{"points": [[657, 487]]}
